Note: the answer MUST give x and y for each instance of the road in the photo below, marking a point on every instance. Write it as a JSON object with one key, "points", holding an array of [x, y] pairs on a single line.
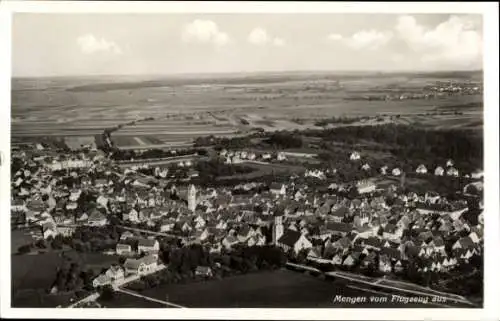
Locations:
{"points": [[391, 293], [152, 232]]}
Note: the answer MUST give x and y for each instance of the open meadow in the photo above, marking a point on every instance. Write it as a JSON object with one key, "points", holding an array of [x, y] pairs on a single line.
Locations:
{"points": [[272, 289]]}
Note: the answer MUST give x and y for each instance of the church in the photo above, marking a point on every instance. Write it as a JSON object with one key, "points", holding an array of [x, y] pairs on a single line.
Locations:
{"points": [[190, 195], [289, 239]]}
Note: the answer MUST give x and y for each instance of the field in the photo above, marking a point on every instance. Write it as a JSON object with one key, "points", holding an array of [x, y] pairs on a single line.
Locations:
{"points": [[276, 289], [121, 300], [75, 143], [32, 272], [262, 169], [176, 110], [32, 276], [19, 238]]}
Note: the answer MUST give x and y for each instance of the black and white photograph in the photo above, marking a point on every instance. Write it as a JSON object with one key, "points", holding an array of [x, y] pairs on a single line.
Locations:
{"points": [[263, 159]]}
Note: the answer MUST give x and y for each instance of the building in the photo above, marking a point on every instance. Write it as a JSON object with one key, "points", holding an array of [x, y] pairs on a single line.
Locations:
{"points": [[452, 171], [277, 189], [148, 245], [96, 218], [140, 266], [421, 169], [365, 187], [123, 249], [439, 171], [355, 156], [293, 240], [191, 198], [204, 271], [396, 172], [278, 229]]}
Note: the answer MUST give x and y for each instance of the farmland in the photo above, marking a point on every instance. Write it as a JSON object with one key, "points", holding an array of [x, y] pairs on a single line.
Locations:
{"points": [[282, 288], [179, 109]]}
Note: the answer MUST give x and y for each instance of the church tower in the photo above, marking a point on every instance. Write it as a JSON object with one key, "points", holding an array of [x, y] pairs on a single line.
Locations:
{"points": [[278, 229], [192, 198]]}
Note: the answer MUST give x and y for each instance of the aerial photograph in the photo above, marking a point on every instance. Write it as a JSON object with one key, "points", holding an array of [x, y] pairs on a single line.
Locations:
{"points": [[246, 160]]}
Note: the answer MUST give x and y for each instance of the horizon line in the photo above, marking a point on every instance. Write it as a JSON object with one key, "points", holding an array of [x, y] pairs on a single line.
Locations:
{"points": [[254, 72]]}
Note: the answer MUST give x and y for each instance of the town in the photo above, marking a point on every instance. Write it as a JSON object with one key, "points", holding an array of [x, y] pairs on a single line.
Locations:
{"points": [[168, 223]]}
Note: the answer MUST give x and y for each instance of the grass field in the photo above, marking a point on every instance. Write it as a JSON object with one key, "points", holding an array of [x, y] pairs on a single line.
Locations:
{"points": [[273, 289], [19, 238], [121, 300], [32, 272]]}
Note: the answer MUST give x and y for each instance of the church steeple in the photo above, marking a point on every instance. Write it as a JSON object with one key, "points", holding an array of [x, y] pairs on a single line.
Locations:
{"points": [[192, 198]]}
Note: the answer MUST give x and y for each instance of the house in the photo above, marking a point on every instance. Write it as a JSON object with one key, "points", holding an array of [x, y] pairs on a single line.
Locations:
{"points": [[392, 232], [277, 189], [452, 171], [421, 169], [229, 241], [126, 235], [293, 240], [101, 280], [49, 229], [366, 167], [115, 273], [396, 172], [355, 156], [337, 259], [464, 243], [82, 218], [123, 249], [338, 228], [204, 271], [96, 218], [383, 170], [449, 163], [432, 197], [439, 171], [281, 156], [365, 186], [338, 215], [384, 265], [477, 174], [66, 230], [148, 245], [18, 205], [167, 225], [140, 266], [351, 259]]}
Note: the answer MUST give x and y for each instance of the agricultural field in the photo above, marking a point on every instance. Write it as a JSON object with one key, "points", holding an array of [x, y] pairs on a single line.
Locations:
{"points": [[282, 288], [75, 142], [179, 109]]}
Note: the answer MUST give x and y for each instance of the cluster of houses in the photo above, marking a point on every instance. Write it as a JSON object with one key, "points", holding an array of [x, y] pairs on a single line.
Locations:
{"points": [[236, 157], [293, 216], [448, 170]]}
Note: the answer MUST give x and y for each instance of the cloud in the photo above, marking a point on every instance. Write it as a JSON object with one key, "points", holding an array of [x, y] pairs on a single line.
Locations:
{"points": [[369, 39], [335, 36], [90, 44], [261, 37], [364, 39], [454, 41], [204, 31], [279, 42]]}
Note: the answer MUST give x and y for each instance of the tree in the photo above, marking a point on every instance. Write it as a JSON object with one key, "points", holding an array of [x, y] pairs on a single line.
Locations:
{"points": [[23, 249], [107, 293]]}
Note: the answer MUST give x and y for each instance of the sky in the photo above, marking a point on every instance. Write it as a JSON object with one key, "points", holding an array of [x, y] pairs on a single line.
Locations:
{"points": [[65, 44]]}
